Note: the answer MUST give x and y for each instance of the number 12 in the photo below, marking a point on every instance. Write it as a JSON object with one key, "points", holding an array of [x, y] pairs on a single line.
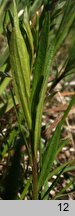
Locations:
{"points": [[63, 206]]}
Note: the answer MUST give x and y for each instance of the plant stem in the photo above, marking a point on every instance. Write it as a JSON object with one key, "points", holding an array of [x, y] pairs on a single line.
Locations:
{"points": [[34, 173]]}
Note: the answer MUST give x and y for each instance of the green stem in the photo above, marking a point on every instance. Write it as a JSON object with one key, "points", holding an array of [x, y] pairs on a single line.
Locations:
{"points": [[34, 173]]}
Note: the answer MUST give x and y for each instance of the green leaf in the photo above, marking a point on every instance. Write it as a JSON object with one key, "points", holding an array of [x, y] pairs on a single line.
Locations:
{"points": [[10, 103], [40, 79], [25, 191], [22, 51], [70, 62], [10, 143], [49, 156], [26, 26], [4, 56], [71, 168], [59, 168], [4, 84], [20, 126], [19, 59], [63, 190], [66, 23], [39, 110], [53, 184], [2, 7], [66, 167], [52, 149], [41, 54], [36, 5], [62, 144]]}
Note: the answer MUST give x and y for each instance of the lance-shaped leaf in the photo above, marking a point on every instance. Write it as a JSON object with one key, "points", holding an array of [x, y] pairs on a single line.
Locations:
{"points": [[39, 110], [22, 51], [52, 148], [20, 65], [41, 74], [41, 54], [26, 26]]}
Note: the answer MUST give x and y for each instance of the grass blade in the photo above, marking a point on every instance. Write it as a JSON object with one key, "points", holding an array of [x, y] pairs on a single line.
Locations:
{"points": [[24, 193], [26, 26], [63, 191], [52, 149], [66, 23], [53, 184]]}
